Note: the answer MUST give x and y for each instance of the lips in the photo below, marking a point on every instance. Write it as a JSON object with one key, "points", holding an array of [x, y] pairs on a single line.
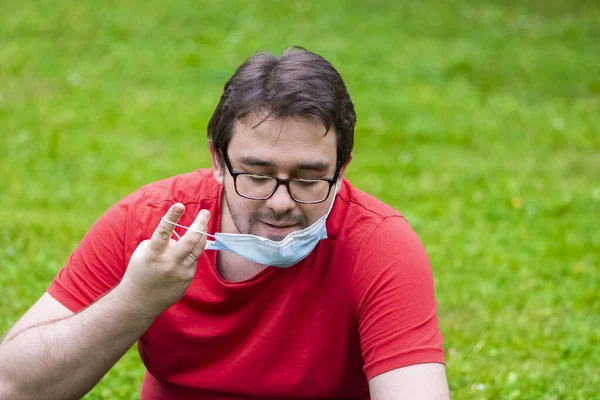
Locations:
{"points": [[281, 226]]}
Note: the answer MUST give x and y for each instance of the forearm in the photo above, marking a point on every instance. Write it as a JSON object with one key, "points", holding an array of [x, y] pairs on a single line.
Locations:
{"points": [[66, 358]]}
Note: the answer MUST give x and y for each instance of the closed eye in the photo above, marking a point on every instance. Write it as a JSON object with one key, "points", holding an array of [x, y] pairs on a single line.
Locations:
{"points": [[259, 178], [306, 183]]}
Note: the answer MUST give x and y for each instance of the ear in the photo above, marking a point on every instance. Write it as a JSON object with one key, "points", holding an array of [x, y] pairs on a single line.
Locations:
{"points": [[217, 166], [343, 169]]}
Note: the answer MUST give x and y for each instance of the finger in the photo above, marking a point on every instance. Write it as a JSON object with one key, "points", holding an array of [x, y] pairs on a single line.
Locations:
{"points": [[192, 241], [162, 235], [198, 250], [193, 257]]}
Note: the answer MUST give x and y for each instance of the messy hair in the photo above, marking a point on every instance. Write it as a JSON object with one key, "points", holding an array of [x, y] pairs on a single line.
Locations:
{"points": [[298, 84]]}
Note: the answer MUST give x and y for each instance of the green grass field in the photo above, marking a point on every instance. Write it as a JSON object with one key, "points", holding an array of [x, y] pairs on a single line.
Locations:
{"points": [[479, 121]]}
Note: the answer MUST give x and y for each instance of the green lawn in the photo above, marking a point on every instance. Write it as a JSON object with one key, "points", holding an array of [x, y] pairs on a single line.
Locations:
{"points": [[477, 120]]}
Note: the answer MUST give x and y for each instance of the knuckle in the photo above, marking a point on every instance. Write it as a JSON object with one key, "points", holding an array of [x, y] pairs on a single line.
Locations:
{"points": [[185, 278], [190, 244], [167, 272], [176, 274], [150, 257], [163, 234]]}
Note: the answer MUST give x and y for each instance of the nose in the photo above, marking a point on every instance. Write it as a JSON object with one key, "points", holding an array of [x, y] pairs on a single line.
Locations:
{"points": [[281, 201]]}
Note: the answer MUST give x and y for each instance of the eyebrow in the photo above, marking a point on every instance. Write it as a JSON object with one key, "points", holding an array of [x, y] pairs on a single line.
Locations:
{"points": [[317, 166]]}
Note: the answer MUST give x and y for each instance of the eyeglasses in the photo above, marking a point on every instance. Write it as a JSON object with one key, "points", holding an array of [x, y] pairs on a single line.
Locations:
{"points": [[260, 187]]}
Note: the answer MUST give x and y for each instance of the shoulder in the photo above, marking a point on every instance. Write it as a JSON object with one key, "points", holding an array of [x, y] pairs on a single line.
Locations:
{"points": [[196, 186], [357, 215], [375, 241]]}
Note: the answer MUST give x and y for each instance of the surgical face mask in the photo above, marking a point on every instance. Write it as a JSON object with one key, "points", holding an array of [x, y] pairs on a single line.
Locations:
{"points": [[295, 247]]}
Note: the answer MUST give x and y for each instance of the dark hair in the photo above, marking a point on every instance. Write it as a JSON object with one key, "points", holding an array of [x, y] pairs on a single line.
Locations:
{"points": [[298, 84]]}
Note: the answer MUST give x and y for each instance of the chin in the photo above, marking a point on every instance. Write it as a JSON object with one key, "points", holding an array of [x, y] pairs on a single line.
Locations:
{"points": [[275, 238]]}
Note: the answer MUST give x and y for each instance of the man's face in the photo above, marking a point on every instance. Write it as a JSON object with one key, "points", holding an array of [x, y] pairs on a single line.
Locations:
{"points": [[284, 148]]}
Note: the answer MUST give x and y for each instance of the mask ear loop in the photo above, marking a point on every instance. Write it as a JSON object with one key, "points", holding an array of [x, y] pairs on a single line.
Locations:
{"points": [[185, 227], [335, 192]]}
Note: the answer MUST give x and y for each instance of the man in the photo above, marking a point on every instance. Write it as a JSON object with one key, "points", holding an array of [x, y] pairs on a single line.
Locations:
{"points": [[305, 288]]}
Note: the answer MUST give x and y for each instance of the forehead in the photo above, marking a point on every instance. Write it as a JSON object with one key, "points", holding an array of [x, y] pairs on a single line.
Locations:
{"points": [[285, 142]]}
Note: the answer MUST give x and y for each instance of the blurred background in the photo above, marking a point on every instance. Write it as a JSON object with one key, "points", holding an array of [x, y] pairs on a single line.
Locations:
{"points": [[478, 120]]}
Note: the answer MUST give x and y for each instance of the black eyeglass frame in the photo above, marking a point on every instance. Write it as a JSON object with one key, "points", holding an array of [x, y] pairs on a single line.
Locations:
{"points": [[286, 182]]}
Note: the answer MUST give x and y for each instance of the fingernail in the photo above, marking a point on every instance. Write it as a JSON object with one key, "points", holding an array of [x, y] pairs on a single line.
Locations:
{"points": [[205, 214], [178, 208]]}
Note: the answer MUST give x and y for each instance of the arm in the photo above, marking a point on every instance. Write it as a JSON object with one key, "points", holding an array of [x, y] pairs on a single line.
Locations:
{"points": [[66, 358], [396, 315], [61, 359], [46, 310], [417, 382]]}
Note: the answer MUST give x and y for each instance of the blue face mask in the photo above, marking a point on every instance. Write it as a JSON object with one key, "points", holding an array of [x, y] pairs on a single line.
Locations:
{"points": [[295, 247]]}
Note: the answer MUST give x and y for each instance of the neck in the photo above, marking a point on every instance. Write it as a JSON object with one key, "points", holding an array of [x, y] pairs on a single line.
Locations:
{"points": [[233, 268]]}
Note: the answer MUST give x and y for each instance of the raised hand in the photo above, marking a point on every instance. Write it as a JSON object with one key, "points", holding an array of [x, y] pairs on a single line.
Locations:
{"points": [[161, 269]]}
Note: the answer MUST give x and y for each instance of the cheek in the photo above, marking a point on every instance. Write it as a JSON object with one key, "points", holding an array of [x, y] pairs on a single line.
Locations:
{"points": [[240, 206], [313, 214]]}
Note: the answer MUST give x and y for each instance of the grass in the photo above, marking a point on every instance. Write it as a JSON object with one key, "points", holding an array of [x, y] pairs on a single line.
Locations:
{"points": [[478, 120]]}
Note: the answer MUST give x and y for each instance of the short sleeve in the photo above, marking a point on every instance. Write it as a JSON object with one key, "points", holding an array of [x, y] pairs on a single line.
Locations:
{"points": [[99, 261], [394, 300]]}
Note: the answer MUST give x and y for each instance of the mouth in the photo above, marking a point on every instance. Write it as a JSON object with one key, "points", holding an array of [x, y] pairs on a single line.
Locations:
{"points": [[278, 229], [278, 225]]}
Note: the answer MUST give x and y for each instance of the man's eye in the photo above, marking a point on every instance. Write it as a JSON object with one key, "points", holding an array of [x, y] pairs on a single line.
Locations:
{"points": [[306, 184], [259, 179]]}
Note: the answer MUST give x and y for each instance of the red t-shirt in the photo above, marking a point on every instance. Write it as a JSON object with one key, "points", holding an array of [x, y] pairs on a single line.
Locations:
{"points": [[362, 303]]}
